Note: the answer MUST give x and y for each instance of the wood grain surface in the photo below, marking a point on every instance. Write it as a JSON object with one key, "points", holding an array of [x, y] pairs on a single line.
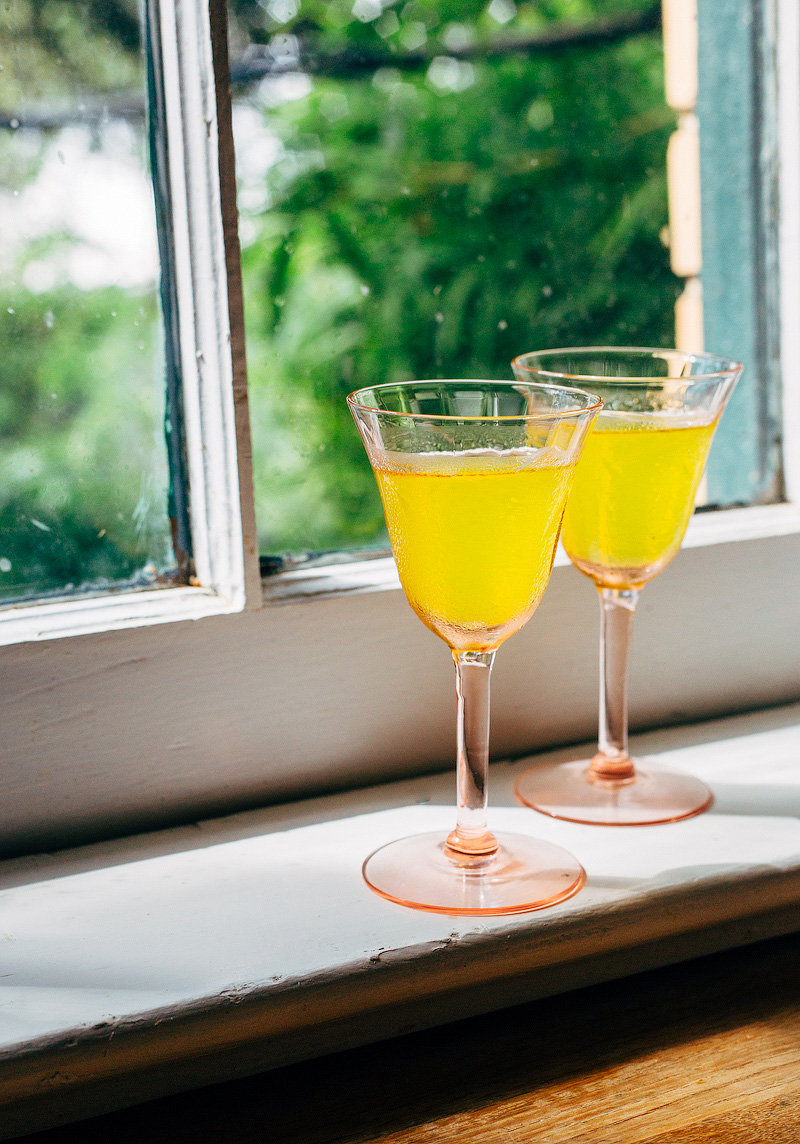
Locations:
{"points": [[708, 1051]]}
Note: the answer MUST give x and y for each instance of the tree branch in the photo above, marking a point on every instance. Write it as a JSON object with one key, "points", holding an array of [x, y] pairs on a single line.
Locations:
{"points": [[356, 61], [295, 56]]}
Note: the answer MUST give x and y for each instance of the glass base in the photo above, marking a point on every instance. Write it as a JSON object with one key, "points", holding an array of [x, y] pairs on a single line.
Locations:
{"points": [[564, 790], [523, 874]]}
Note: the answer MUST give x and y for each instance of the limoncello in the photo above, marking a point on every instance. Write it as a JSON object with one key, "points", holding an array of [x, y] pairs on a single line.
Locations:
{"points": [[633, 495], [474, 536]]}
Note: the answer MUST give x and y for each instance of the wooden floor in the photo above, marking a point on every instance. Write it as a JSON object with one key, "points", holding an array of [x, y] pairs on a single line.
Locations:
{"points": [[707, 1051]]}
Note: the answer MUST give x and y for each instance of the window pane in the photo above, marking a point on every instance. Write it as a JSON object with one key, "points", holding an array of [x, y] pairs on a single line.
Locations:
{"points": [[412, 207], [83, 472]]}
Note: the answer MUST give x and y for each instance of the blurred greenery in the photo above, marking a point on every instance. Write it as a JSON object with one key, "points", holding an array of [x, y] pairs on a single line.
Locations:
{"points": [[82, 459], [81, 494], [407, 223], [54, 50], [436, 224]]}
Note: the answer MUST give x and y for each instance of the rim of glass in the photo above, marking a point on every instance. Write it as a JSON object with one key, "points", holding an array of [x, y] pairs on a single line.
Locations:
{"points": [[592, 405], [734, 366]]}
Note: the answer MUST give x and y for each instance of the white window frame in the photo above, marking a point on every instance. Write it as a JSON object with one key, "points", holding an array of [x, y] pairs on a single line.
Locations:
{"points": [[333, 691], [224, 541]]}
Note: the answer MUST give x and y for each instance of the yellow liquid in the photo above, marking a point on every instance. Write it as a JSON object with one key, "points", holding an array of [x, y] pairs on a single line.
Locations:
{"points": [[474, 536], [633, 495]]}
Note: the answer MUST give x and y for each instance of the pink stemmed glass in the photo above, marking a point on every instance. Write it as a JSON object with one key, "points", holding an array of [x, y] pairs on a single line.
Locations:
{"points": [[473, 476], [628, 510]]}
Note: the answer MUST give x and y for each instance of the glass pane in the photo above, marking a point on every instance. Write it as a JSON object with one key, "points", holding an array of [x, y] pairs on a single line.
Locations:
{"points": [[83, 472], [426, 190]]}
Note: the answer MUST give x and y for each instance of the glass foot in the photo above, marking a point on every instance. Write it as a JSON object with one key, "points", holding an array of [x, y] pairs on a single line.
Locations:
{"points": [[523, 874], [564, 790]]}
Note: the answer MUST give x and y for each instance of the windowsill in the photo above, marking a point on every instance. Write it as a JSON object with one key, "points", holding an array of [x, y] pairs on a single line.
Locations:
{"points": [[165, 961], [722, 526], [114, 611]]}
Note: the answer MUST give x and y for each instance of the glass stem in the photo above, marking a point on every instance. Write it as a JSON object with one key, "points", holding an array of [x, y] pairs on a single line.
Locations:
{"points": [[471, 839], [612, 761]]}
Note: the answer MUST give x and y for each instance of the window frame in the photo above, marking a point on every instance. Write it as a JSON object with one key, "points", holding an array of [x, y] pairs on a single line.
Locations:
{"points": [[195, 198], [325, 643]]}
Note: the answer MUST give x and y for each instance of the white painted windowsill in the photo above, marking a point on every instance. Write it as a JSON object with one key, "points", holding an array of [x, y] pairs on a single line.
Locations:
{"points": [[727, 526], [162, 962]]}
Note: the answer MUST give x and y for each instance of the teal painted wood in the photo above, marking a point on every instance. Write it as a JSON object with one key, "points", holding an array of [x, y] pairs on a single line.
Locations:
{"points": [[737, 110]]}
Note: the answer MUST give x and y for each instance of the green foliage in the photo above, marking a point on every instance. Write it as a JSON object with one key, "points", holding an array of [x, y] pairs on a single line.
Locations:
{"points": [[55, 48], [82, 472], [82, 480], [419, 230]]}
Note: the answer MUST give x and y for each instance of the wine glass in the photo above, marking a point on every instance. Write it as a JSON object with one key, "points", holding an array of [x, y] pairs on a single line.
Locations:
{"points": [[630, 504], [473, 476]]}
